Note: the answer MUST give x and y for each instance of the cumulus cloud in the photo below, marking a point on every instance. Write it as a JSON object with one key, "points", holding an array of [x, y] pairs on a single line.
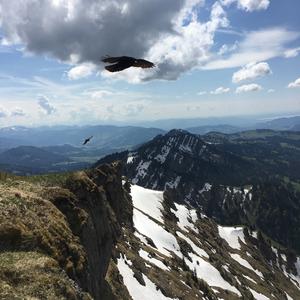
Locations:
{"points": [[18, 112], [201, 93], [81, 71], [248, 5], [248, 88], [251, 71], [271, 91], [167, 32], [220, 90], [258, 45], [225, 49], [295, 84], [45, 105], [292, 52]]}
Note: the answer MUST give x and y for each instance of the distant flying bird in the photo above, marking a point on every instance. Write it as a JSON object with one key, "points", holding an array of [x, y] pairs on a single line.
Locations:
{"points": [[87, 140], [124, 62]]}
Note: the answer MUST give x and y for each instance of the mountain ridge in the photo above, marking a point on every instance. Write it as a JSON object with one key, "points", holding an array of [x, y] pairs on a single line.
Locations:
{"points": [[214, 177]]}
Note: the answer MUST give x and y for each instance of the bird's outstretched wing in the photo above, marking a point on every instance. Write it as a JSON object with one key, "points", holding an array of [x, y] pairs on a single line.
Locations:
{"points": [[111, 60], [120, 66], [142, 63]]}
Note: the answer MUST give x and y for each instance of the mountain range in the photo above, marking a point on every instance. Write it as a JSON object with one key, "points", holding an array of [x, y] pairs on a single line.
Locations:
{"points": [[67, 140], [216, 177]]}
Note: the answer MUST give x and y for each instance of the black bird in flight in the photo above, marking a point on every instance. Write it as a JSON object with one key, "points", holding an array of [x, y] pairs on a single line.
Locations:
{"points": [[87, 140], [121, 63]]}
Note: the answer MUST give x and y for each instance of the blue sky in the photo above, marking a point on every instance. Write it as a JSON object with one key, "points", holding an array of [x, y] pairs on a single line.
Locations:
{"points": [[214, 58]]}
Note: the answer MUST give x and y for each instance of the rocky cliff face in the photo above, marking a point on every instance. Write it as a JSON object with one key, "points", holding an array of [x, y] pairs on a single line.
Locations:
{"points": [[67, 233]]}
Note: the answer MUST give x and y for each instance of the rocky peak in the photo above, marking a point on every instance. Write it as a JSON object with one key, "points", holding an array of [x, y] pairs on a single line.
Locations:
{"points": [[179, 159]]}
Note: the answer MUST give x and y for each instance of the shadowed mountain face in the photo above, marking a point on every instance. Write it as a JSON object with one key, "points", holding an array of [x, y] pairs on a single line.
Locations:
{"points": [[235, 159], [182, 157]]}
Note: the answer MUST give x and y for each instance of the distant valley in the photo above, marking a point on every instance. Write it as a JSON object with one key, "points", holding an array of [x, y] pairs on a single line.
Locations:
{"points": [[57, 149]]}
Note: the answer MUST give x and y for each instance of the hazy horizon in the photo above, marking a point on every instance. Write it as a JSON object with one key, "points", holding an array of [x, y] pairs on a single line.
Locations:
{"points": [[176, 123]]}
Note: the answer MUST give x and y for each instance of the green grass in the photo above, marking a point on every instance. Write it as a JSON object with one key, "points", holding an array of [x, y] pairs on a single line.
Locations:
{"points": [[51, 179]]}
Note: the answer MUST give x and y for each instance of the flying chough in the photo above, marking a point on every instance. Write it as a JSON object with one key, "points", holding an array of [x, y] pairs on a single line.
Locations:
{"points": [[121, 63], [87, 140]]}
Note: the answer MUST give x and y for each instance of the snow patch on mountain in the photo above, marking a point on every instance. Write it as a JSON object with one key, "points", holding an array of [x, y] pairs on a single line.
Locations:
{"points": [[145, 255], [130, 158], [258, 296], [249, 278], [200, 252], [173, 184], [245, 263], [165, 150], [135, 289], [206, 188], [164, 241], [209, 273], [232, 235], [148, 201], [185, 216], [141, 170]]}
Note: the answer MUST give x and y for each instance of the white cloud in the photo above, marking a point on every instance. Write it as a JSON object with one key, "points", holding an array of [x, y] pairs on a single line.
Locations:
{"points": [[130, 109], [188, 47], [18, 112], [248, 88], [248, 5], [292, 52], [220, 90], [167, 32], [201, 93], [271, 91], [257, 46], [100, 94], [3, 112], [295, 84], [45, 105], [251, 71], [225, 49], [81, 71]]}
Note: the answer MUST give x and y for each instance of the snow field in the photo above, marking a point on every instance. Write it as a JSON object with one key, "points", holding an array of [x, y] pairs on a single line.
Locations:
{"points": [[135, 289], [232, 235]]}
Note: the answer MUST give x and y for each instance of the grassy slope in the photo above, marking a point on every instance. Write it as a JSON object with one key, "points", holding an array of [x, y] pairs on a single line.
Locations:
{"points": [[34, 237]]}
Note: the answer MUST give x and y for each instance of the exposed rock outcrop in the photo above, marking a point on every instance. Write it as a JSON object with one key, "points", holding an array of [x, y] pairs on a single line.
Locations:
{"points": [[71, 230]]}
